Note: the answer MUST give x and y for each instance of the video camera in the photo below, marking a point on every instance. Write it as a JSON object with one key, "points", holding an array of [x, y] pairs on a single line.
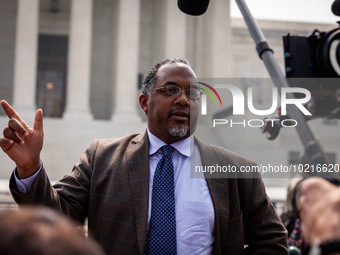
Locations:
{"points": [[316, 55], [313, 62]]}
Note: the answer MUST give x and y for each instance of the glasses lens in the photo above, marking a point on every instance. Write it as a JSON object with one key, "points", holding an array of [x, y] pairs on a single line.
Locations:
{"points": [[173, 90], [194, 93]]}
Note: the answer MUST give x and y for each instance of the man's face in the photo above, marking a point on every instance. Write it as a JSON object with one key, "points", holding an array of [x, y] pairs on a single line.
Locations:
{"points": [[169, 117]]}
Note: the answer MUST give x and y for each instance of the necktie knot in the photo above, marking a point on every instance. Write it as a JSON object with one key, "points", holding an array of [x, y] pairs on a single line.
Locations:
{"points": [[167, 150]]}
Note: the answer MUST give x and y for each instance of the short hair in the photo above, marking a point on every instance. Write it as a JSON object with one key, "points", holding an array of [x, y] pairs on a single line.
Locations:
{"points": [[150, 78], [41, 230]]}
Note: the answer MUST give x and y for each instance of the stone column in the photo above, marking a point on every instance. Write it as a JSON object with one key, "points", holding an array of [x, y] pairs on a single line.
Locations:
{"points": [[25, 63], [127, 54], [213, 49], [79, 61], [175, 31], [214, 41]]}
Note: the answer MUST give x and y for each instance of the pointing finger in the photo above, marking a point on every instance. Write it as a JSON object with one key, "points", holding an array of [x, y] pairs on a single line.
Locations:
{"points": [[11, 113]]}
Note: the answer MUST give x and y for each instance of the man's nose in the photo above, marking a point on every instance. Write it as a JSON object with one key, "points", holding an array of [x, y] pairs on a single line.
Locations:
{"points": [[182, 99]]}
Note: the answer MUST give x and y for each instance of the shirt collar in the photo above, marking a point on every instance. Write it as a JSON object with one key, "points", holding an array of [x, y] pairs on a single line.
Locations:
{"points": [[182, 146]]}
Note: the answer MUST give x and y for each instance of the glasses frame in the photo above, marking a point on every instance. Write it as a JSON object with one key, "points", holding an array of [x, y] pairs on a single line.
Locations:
{"points": [[180, 91]]}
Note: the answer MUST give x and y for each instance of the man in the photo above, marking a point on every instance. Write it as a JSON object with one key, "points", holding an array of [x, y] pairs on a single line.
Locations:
{"points": [[320, 215], [39, 231], [118, 184]]}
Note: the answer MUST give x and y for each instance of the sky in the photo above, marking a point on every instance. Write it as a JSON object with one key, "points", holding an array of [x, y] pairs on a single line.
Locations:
{"points": [[318, 11]]}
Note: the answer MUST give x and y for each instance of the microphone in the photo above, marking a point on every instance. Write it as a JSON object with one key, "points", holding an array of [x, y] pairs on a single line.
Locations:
{"points": [[193, 7], [336, 8]]}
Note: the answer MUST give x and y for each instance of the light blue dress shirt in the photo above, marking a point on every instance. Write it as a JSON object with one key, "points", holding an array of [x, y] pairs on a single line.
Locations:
{"points": [[194, 208]]}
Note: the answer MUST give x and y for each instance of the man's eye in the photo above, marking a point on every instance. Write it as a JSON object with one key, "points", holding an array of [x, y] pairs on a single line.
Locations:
{"points": [[172, 90], [194, 92]]}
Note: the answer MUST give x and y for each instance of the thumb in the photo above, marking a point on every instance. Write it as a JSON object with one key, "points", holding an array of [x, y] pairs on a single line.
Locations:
{"points": [[38, 121]]}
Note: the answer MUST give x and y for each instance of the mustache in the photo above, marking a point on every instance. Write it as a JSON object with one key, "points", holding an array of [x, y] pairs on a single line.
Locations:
{"points": [[182, 111]]}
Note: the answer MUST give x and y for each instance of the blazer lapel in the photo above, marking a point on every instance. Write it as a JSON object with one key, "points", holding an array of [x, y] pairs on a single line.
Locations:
{"points": [[219, 194], [138, 167]]}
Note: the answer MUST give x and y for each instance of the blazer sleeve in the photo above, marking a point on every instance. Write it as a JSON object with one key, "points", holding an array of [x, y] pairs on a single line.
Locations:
{"points": [[264, 231], [69, 195]]}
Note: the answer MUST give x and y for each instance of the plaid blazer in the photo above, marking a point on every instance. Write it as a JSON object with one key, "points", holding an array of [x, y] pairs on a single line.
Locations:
{"points": [[110, 187]]}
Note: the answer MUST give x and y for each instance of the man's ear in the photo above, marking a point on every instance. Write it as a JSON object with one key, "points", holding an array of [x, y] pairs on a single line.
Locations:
{"points": [[143, 102]]}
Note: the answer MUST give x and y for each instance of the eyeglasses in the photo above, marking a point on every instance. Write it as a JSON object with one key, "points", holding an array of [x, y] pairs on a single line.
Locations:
{"points": [[172, 90]]}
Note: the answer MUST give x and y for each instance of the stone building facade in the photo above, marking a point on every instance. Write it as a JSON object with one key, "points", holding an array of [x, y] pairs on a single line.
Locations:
{"points": [[82, 62]]}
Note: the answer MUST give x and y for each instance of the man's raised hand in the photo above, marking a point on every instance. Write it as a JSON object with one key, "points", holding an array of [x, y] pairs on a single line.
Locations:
{"points": [[22, 143]]}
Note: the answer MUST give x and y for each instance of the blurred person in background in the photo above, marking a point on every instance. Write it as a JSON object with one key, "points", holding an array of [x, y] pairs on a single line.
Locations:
{"points": [[41, 230], [320, 216]]}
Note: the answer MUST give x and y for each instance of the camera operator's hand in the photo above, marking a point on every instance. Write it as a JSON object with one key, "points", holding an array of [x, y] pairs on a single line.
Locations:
{"points": [[22, 143], [320, 210]]}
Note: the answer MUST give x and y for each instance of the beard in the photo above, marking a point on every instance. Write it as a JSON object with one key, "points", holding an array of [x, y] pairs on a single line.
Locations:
{"points": [[178, 131]]}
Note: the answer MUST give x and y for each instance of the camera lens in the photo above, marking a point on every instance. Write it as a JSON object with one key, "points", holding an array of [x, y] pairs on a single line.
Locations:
{"points": [[327, 54], [338, 53], [334, 56]]}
